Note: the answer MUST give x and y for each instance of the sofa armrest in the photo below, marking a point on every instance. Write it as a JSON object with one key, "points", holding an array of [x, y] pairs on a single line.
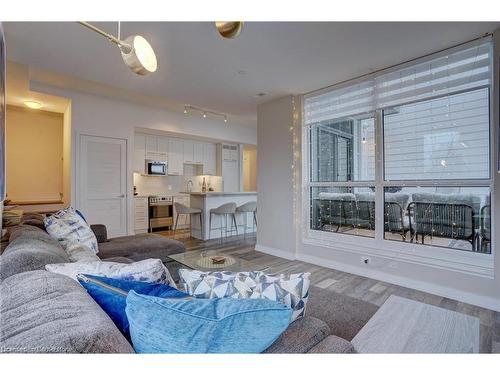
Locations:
{"points": [[100, 232], [333, 344]]}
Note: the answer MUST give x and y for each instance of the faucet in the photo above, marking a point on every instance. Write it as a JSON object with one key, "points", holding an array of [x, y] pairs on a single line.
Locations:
{"points": [[187, 186]]}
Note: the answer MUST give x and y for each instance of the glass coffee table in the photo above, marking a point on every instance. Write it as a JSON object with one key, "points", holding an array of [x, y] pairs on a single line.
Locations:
{"points": [[212, 260]]}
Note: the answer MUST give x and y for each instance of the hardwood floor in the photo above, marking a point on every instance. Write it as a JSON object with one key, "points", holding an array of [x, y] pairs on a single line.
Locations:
{"points": [[360, 287]]}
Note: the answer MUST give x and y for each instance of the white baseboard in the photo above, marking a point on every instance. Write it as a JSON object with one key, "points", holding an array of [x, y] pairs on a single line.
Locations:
{"points": [[276, 252], [471, 298]]}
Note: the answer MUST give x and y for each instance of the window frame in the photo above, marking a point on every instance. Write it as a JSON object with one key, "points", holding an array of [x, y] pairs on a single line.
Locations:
{"points": [[475, 263]]}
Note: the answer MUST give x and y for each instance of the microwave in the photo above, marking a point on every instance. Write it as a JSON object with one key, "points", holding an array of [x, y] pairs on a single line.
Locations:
{"points": [[156, 168]]}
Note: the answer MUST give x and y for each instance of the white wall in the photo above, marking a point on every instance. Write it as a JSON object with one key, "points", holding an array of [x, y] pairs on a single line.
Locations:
{"points": [[96, 115], [275, 233]]}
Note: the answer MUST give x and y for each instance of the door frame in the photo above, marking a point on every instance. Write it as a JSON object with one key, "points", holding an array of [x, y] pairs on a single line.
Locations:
{"points": [[77, 177]]}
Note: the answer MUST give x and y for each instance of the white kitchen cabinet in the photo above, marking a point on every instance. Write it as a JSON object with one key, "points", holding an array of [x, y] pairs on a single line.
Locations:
{"points": [[209, 158], [139, 153], [151, 143], [175, 156], [176, 151], [156, 148], [198, 152], [141, 222], [162, 143], [188, 146], [184, 220]]}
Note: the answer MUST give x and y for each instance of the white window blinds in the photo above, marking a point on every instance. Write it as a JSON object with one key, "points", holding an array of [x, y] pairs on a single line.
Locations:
{"points": [[462, 69]]}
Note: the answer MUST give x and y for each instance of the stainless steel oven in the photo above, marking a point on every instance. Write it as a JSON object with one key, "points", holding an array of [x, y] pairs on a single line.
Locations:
{"points": [[160, 212]]}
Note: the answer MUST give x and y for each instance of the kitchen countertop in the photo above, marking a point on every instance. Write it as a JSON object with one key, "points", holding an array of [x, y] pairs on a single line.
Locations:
{"points": [[219, 193]]}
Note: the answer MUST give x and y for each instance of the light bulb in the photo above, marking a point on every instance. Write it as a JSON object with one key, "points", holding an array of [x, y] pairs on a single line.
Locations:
{"points": [[138, 54], [33, 104], [204, 115], [185, 110], [225, 118]]}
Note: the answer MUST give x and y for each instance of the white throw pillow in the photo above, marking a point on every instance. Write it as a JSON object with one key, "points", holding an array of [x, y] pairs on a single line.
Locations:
{"points": [[82, 253], [292, 290], [148, 270], [69, 228]]}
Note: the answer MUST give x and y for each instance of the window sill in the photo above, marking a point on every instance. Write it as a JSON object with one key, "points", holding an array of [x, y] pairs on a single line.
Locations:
{"points": [[476, 264]]}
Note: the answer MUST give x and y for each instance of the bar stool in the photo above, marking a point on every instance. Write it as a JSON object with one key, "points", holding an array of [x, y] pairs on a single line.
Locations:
{"points": [[225, 210], [184, 210], [245, 209]]}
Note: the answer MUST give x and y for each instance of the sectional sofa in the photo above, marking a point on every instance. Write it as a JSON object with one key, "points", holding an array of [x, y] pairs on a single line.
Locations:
{"points": [[43, 312]]}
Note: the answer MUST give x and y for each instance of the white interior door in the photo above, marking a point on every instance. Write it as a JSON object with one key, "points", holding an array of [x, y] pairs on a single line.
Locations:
{"points": [[103, 182]]}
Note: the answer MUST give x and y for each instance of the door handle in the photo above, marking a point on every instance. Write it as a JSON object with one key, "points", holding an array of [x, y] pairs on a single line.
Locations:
{"points": [[121, 196]]}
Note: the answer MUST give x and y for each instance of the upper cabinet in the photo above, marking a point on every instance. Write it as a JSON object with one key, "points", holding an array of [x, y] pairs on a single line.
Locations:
{"points": [[175, 156], [155, 148], [210, 158], [139, 153], [176, 151], [198, 152], [188, 151]]}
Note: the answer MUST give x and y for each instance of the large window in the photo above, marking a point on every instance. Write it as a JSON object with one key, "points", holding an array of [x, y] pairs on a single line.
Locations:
{"points": [[405, 155]]}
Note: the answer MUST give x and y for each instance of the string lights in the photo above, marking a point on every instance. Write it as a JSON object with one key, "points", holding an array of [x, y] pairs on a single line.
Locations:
{"points": [[295, 132]]}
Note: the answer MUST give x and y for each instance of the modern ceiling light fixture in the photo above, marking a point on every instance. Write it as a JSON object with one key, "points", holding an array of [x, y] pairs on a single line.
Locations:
{"points": [[229, 30], [204, 112], [136, 52], [33, 104]]}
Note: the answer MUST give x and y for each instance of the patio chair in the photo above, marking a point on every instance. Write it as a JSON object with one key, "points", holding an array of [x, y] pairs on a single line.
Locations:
{"points": [[485, 232], [443, 215], [395, 220], [335, 210]]}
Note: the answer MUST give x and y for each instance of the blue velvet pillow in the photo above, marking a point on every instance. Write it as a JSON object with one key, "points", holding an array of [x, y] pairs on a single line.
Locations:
{"points": [[111, 295], [223, 325]]}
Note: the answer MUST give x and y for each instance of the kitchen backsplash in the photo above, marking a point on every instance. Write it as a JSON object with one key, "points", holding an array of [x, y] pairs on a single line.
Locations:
{"points": [[173, 184]]}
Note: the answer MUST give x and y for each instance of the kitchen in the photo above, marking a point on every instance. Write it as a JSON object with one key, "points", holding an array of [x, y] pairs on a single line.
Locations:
{"points": [[197, 173]]}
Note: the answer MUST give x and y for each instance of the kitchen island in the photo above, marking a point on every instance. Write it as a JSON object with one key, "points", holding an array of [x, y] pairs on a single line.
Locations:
{"points": [[212, 199]]}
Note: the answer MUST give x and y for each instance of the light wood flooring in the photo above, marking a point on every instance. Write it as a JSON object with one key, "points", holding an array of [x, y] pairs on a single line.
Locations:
{"points": [[355, 286]]}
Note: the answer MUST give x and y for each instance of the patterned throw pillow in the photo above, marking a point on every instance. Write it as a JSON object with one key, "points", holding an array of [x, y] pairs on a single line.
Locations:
{"points": [[69, 228], [81, 253], [292, 290], [148, 270]]}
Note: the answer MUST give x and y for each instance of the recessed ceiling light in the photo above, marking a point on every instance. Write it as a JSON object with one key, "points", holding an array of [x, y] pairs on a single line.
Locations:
{"points": [[33, 104]]}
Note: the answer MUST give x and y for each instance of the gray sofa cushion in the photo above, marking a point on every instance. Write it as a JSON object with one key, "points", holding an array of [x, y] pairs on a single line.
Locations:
{"points": [[344, 315], [140, 247], [29, 249], [333, 344], [41, 312], [301, 336]]}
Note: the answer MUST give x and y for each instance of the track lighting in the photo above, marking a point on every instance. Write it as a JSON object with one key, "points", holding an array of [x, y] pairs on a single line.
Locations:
{"points": [[204, 112], [136, 52]]}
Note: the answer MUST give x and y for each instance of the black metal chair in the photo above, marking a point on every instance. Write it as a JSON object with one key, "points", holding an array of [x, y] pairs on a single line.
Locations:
{"points": [[485, 232], [337, 213], [447, 220], [394, 217]]}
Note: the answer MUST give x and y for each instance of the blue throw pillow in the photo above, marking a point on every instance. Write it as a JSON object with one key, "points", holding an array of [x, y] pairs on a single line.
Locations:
{"points": [[111, 295], [223, 325]]}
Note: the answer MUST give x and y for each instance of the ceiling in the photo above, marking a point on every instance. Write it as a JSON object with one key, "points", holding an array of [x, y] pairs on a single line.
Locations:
{"points": [[198, 67]]}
